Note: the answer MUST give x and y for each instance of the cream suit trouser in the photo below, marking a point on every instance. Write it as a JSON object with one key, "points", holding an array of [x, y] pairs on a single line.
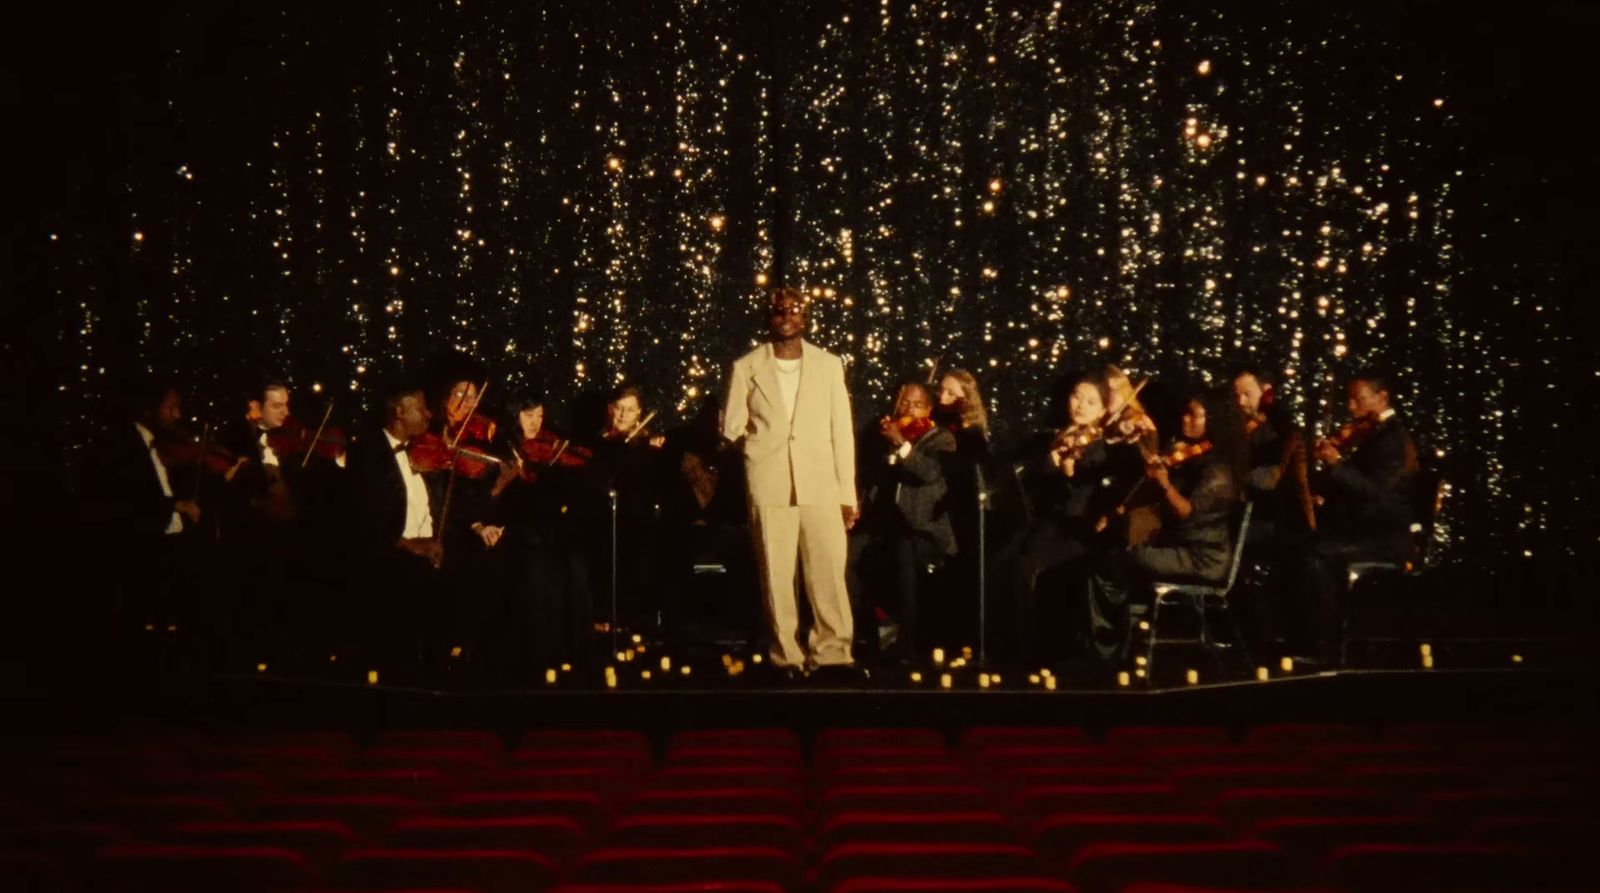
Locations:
{"points": [[816, 534]]}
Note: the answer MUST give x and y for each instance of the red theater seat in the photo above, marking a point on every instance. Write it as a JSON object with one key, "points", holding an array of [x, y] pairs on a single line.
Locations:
{"points": [[1205, 782], [780, 831], [941, 861], [1146, 737], [767, 739], [906, 774], [485, 742], [284, 758], [848, 757], [577, 739], [706, 801], [687, 887], [160, 867], [583, 807], [1058, 838], [727, 755], [973, 826], [711, 777], [614, 865], [444, 759], [319, 840], [1041, 800], [952, 885], [597, 779], [544, 834], [1457, 868], [420, 782], [1250, 806], [1111, 867], [625, 760], [487, 871], [904, 798], [1312, 838], [1299, 736], [230, 785], [855, 738], [987, 737], [366, 815]]}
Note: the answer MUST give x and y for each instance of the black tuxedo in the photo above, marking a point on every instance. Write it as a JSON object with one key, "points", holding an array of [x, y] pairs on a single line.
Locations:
{"points": [[378, 494], [122, 494], [1367, 516], [904, 528]]}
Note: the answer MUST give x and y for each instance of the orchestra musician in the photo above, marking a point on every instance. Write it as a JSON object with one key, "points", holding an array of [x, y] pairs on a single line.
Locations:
{"points": [[788, 404], [1066, 490], [1365, 480], [629, 458], [1279, 486], [130, 504], [1200, 482], [905, 522], [395, 592]]}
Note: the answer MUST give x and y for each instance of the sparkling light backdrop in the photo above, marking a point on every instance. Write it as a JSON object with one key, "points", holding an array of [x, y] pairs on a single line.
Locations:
{"points": [[582, 193]]}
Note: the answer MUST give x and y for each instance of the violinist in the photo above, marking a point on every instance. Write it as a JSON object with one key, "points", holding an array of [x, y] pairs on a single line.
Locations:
{"points": [[1200, 482], [960, 409], [130, 505], [630, 458], [1279, 483], [1365, 480], [905, 522], [1065, 487], [260, 484]]}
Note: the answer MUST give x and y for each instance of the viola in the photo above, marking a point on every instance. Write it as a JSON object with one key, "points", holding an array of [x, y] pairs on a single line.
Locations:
{"points": [[295, 439], [429, 453], [548, 448]]}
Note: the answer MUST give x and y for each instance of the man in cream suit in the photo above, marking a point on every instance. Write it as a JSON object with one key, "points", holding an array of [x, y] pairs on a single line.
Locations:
{"points": [[786, 399]]}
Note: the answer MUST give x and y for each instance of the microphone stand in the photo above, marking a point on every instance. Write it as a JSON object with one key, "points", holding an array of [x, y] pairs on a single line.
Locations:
{"points": [[983, 576]]}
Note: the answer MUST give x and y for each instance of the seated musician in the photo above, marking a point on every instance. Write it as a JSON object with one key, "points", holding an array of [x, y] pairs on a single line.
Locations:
{"points": [[1066, 493], [1365, 482], [1200, 483], [1278, 484], [905, 523]]}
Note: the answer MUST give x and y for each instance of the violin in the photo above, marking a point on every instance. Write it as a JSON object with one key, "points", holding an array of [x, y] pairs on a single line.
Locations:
{"points": [[1353, 434], [550, 449], [912, 428], [474, 428], [1074, 440], [641, 432], [1181, 452], [180, 447], [430, 453], [295, 439]]}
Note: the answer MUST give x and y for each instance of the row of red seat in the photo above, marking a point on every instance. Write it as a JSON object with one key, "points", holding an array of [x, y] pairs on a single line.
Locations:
{"points": [[736, 805]]}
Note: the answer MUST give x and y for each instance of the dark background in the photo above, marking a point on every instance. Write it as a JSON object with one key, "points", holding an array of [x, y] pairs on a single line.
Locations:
{"points": [[101, 104]]}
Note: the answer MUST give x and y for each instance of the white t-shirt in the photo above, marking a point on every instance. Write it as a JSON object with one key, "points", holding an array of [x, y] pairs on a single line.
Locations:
{"points": [[789, 384], [419, 515]]}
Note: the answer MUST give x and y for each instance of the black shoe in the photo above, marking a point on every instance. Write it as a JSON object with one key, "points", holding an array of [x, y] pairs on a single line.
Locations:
{"points": [[768, 673]]}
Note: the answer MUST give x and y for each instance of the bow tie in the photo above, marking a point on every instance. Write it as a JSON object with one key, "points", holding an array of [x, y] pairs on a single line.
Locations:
{"points": [[401, 447]]}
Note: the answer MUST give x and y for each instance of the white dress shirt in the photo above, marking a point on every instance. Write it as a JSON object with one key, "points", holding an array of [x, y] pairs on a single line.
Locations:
{"points": [[175, 524], [268, 456], [419, 515]]}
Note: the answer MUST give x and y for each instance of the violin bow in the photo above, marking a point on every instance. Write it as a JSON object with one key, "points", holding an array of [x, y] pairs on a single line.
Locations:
{"points": [[476, 402], [205, 441], [559, 450], [933, 369], [639, 427], [310, 447]]}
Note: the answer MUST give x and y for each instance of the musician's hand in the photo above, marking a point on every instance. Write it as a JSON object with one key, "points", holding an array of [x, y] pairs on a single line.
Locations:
{"points": [[234, 470], [851, 515], [1328, 454], [189, 509], [891, 432], [1068, 463], [658, 441], [1157, 472], [489, 533]]}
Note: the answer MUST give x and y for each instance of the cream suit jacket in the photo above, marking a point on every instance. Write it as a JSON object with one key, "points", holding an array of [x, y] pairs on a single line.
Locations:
{"points": [[812, 461]]}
